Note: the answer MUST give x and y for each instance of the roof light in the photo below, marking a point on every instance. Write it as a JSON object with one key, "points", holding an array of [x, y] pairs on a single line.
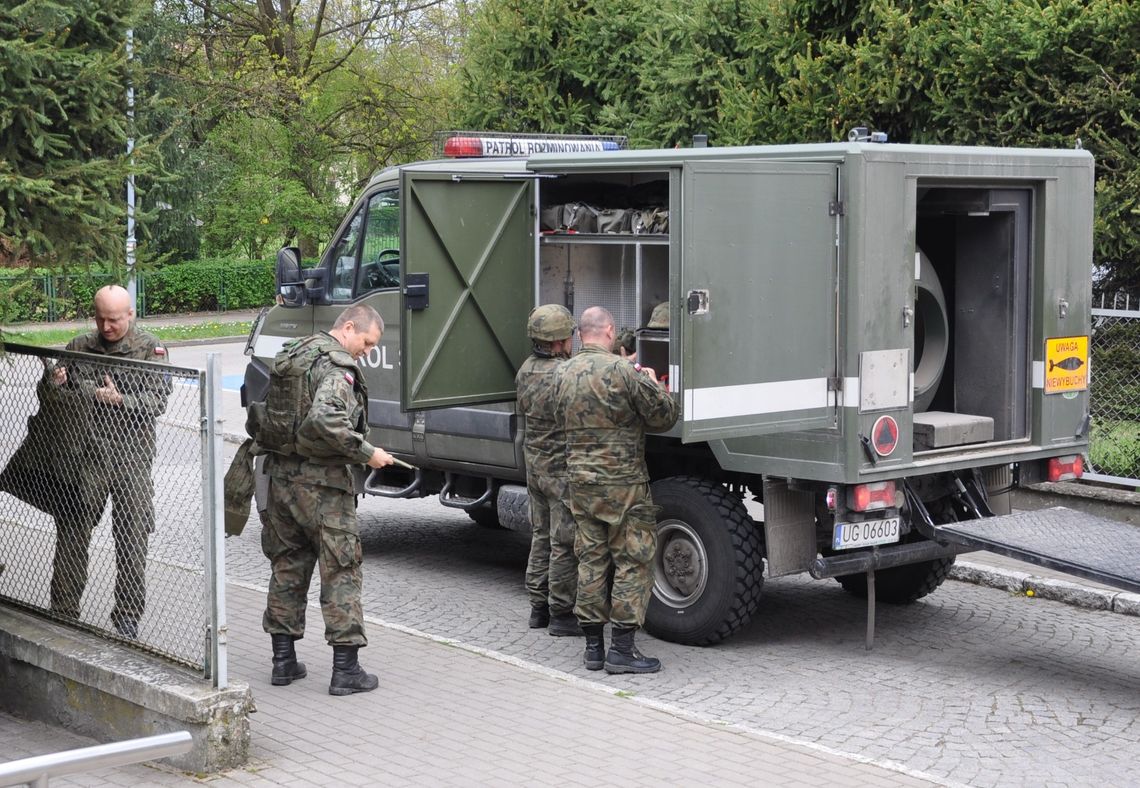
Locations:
{"points": [[480, 145]]}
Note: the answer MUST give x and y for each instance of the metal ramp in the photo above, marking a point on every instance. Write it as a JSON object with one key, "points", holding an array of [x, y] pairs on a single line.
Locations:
{"points": [[1065, 540]]}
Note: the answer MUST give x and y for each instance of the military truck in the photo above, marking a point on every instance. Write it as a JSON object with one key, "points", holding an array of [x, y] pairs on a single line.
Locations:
{"points": [[871, 344]]}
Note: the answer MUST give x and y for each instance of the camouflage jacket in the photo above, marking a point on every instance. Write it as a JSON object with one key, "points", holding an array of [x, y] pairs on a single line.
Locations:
{"points": [[128, 428], [333, 434], [605, 407], [544, 444]]}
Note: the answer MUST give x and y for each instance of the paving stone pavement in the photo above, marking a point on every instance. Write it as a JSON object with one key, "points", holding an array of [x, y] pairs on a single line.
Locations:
{"points": [[448, 715], [973, 685]]}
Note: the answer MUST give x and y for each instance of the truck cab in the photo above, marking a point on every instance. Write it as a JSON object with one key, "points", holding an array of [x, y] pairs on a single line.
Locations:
{"points": [[867, 338]]}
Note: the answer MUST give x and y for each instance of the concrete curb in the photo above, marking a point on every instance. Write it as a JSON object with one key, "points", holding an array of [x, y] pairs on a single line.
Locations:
{"points": [[1062, 591], [86, 684]]}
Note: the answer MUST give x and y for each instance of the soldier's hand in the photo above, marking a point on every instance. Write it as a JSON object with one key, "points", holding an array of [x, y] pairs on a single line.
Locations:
{"points": [[59, 376], [380, 458], [108, 393]]}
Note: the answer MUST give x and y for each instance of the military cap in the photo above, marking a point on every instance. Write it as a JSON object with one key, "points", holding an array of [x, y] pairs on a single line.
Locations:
{"points": [[660, 316], [550, 323]]}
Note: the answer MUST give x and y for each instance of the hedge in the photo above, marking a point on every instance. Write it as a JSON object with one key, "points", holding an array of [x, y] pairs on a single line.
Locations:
{"points": [[193, 286]]}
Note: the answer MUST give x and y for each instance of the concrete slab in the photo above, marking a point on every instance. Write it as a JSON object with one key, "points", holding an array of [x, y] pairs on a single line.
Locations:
{"points": [[110, 692]]}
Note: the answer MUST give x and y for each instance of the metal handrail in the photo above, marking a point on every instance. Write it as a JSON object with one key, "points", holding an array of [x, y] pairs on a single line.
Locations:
{"points": [[36, 770]]}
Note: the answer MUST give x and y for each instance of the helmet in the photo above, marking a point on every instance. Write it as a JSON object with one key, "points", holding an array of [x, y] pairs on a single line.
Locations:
{"points": [[660, 316], [550, 323]]}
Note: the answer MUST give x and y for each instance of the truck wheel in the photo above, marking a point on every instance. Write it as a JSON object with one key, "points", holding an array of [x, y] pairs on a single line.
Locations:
{"points": [[905, 584], [708, 569], [485, 516]]}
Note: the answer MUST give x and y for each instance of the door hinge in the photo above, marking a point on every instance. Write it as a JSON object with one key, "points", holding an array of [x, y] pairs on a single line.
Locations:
{"points": [[836, 208], [835, 384], [419, 427]]}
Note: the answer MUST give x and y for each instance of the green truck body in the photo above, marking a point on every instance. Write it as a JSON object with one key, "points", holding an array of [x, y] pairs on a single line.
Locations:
{"points": [[900, 321]]}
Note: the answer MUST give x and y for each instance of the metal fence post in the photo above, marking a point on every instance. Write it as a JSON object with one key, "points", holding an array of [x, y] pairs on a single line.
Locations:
{"points": [[213, 521]]}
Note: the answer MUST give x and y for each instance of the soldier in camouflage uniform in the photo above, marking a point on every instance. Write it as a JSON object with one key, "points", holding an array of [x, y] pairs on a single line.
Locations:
{"points": [[606, 405], [552, 571], [121, 404], [311, 516]]}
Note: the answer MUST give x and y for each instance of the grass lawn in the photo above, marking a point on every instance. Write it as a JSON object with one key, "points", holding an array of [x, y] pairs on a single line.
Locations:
{"points": [[58, 337]]}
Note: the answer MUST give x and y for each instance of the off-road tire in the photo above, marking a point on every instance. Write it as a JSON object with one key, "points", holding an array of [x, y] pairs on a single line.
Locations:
{"points": [[485, 516], [713, 526]]}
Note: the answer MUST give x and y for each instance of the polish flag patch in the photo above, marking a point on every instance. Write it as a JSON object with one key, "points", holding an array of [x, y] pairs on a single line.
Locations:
{"points": [[160, 351], [351, 380]]}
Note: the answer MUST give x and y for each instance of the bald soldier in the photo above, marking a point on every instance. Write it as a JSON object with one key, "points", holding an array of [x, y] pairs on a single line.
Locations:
{"points": [[123, 403], [606, 405]]}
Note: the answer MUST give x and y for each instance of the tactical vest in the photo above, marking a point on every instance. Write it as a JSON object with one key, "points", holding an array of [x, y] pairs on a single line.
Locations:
{"points": [[291, 392]]}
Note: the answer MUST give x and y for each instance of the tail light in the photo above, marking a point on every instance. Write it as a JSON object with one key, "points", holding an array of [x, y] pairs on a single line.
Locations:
{"points": [[1065, 468], [868, 497]]}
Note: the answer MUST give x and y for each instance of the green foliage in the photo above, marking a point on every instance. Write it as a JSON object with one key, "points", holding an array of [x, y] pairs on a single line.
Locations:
{"points": [[1040, 73], [208, 285], [285, 114], [193, 286], [1114, 448], [63, 137], [1116, 370]]}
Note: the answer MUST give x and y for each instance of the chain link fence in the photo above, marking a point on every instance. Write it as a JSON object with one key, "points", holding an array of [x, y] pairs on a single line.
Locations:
{"points": [[1114, 432], [106, 509]]}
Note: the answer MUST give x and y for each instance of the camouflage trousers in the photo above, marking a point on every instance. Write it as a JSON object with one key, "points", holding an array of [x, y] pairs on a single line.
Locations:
{"points": [[132, 522], [552, 570], [305, 526], [617, 533]]}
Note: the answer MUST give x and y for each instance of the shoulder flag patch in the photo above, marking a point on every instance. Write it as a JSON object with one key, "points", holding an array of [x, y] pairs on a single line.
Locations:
{"points": [[351, 380], [159, 350]]}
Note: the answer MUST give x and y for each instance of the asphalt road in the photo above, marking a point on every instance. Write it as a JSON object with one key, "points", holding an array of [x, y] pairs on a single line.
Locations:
{"points": [[972, 684]]}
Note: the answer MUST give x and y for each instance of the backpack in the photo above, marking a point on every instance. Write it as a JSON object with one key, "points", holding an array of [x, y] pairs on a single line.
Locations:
{"points": [[275, 422]]}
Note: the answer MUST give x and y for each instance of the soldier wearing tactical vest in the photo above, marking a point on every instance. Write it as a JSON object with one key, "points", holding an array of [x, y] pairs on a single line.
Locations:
{"points": [[314, 426], [552, 570], [605, 405], [120, 405]]}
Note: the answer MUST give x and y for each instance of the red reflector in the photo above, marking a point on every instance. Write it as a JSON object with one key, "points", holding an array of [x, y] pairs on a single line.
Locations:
{"points": [[885, 435], [463, 147], [879, 495], [1065, 468]]}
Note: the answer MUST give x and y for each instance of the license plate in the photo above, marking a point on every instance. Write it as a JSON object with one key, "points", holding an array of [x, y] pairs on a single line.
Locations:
{"points": [[850, 535]]}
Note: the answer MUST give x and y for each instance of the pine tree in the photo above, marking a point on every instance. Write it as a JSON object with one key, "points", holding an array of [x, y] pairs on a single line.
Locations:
{"points": [[63, 160]]}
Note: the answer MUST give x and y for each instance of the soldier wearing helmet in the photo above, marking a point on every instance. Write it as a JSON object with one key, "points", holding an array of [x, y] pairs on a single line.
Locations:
{"points": [[552, 570]]}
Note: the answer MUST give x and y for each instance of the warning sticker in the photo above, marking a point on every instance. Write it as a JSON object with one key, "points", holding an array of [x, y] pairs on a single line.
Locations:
{"points": [[1066, 364]]}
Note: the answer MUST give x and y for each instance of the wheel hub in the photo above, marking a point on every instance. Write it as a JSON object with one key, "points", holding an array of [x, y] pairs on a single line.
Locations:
{"points": [[681, 565]]}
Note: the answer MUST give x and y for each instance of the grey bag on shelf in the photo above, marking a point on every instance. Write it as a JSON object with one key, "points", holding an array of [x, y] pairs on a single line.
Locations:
{"points": [[579, 217], [652, 220]]}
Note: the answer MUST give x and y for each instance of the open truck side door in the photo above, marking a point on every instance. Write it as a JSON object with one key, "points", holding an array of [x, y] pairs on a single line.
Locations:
{"points": [[467, 286], [759, 256]]}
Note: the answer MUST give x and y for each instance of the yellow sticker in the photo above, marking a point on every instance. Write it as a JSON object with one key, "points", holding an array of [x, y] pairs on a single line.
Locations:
{"points": [[1066, 364]]}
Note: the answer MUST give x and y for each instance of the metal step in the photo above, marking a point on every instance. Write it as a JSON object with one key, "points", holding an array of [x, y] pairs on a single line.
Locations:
{"points": [[1061, 539]]}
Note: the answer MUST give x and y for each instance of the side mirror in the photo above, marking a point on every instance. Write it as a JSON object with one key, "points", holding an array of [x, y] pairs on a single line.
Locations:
{"points": [[287, 279], [316, 284]]}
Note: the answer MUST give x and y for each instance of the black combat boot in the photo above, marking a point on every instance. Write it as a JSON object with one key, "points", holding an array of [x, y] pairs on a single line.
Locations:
{"points": [[623, 656], [595, 646], [347, 676], [286, 668], [539, 616], [564, 625]]}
